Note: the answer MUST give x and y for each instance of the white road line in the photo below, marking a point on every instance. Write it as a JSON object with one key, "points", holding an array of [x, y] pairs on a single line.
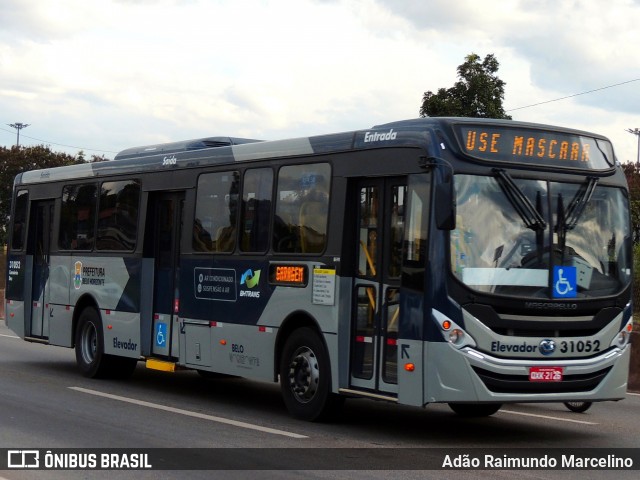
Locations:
{"points": [[179, 411], [547, 417], [8, 336], [634, 394]]}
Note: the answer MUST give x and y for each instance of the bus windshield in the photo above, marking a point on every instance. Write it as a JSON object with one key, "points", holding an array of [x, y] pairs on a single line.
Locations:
{"points": [[541, 239]]}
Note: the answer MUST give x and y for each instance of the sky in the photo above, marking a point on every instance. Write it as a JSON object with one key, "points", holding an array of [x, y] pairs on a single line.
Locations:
{"points": [[103, 76]]}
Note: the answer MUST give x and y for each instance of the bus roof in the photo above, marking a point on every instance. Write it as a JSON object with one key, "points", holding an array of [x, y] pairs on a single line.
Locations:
{"points": [[186, 145], [221, 150]]}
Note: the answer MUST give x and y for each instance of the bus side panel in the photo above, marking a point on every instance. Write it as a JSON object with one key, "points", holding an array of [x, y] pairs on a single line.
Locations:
{"points": [[243, 350], [290, 304], [60, 313], [15, 316], [18, 277], [20, 323], [242, 341], [59, 279], [248, 350], [114, 284], [121, 333], [61, 325], [410, 379], [109, 280], [146, 304], [340, 347], [448, 377]]}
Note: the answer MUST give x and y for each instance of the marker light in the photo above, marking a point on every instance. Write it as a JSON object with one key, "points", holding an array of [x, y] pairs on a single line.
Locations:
{"points": [[409, 367], [223, 342], [446, 325]]}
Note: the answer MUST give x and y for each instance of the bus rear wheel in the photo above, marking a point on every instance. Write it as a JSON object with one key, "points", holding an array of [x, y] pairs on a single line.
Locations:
{"points": [[89, 343], [475, 409], [305, 378], [90, 356]]}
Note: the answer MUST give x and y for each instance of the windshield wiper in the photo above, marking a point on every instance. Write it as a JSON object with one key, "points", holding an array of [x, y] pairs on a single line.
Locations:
{"points": [[529, 214], [567, 220], [579, 201]]}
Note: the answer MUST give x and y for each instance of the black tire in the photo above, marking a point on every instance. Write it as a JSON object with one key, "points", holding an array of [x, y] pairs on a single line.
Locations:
{"points": [[305, 378], [90, 356], [90, 344], [578, 407], [475, 409]]}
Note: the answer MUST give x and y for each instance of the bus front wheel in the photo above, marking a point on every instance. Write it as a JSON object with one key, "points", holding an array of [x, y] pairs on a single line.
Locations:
{"points": [[475, 409], [578, 407], [305, 377]]}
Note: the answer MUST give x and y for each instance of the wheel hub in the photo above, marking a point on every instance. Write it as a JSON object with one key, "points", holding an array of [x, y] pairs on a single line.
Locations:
{"points": [[304, 374], [89, 343]]}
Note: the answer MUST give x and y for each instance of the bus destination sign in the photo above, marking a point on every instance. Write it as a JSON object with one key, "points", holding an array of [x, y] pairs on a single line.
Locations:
{"points": [[532, 146], [288, 275]]}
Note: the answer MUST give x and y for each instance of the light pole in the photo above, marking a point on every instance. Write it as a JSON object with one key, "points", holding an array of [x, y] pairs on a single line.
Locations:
{"points": [[18, 126], [636, 132]]}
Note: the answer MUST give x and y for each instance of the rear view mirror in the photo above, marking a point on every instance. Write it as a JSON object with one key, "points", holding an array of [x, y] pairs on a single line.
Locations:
{"points": [[445, 204]]}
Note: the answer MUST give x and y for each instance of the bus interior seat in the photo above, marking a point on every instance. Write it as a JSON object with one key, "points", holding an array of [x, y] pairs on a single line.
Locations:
{"points": [[313, 216]]}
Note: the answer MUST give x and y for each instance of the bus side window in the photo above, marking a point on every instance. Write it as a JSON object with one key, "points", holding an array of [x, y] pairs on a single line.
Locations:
{"points": [[256, 210], [313, 223], [118, 216], [19, 220], [78, 217], [216, 212], [302, 208]]}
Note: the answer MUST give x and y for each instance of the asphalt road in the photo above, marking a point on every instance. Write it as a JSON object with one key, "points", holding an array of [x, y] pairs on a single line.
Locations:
{"points": [[46, 404]]}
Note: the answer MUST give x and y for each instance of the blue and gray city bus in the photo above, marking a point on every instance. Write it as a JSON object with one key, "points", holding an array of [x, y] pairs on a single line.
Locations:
{"points": [[472, 262]]}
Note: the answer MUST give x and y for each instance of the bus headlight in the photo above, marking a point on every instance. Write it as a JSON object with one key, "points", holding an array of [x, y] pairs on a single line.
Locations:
{"points": [[622, 339], [456, 336], [453, 333]]}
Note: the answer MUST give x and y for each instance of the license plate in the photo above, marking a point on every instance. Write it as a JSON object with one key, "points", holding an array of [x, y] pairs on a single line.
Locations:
{"points": [[545, 374]]}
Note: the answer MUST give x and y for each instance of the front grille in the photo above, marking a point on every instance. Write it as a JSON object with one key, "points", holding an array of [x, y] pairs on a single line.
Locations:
{"points": [[508, 324], [499, 383], [548, 332]]}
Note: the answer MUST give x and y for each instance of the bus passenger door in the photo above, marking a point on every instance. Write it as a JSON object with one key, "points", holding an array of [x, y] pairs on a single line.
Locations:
{"points": [[378, 242], [39, 247], [165, 235]]}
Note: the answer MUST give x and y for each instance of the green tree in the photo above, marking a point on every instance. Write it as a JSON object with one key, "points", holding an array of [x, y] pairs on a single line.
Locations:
{"points": [[82, 158], [477, 93], [16, 160], [632, 172]]}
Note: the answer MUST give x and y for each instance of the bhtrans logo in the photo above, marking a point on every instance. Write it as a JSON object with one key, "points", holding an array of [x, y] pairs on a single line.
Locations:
{"points": [[250, 280], [380, 136]]}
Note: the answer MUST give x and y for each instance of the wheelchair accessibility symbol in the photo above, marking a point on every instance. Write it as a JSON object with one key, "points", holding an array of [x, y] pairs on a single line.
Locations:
{"points": [[161, 334], [564, 282]]}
